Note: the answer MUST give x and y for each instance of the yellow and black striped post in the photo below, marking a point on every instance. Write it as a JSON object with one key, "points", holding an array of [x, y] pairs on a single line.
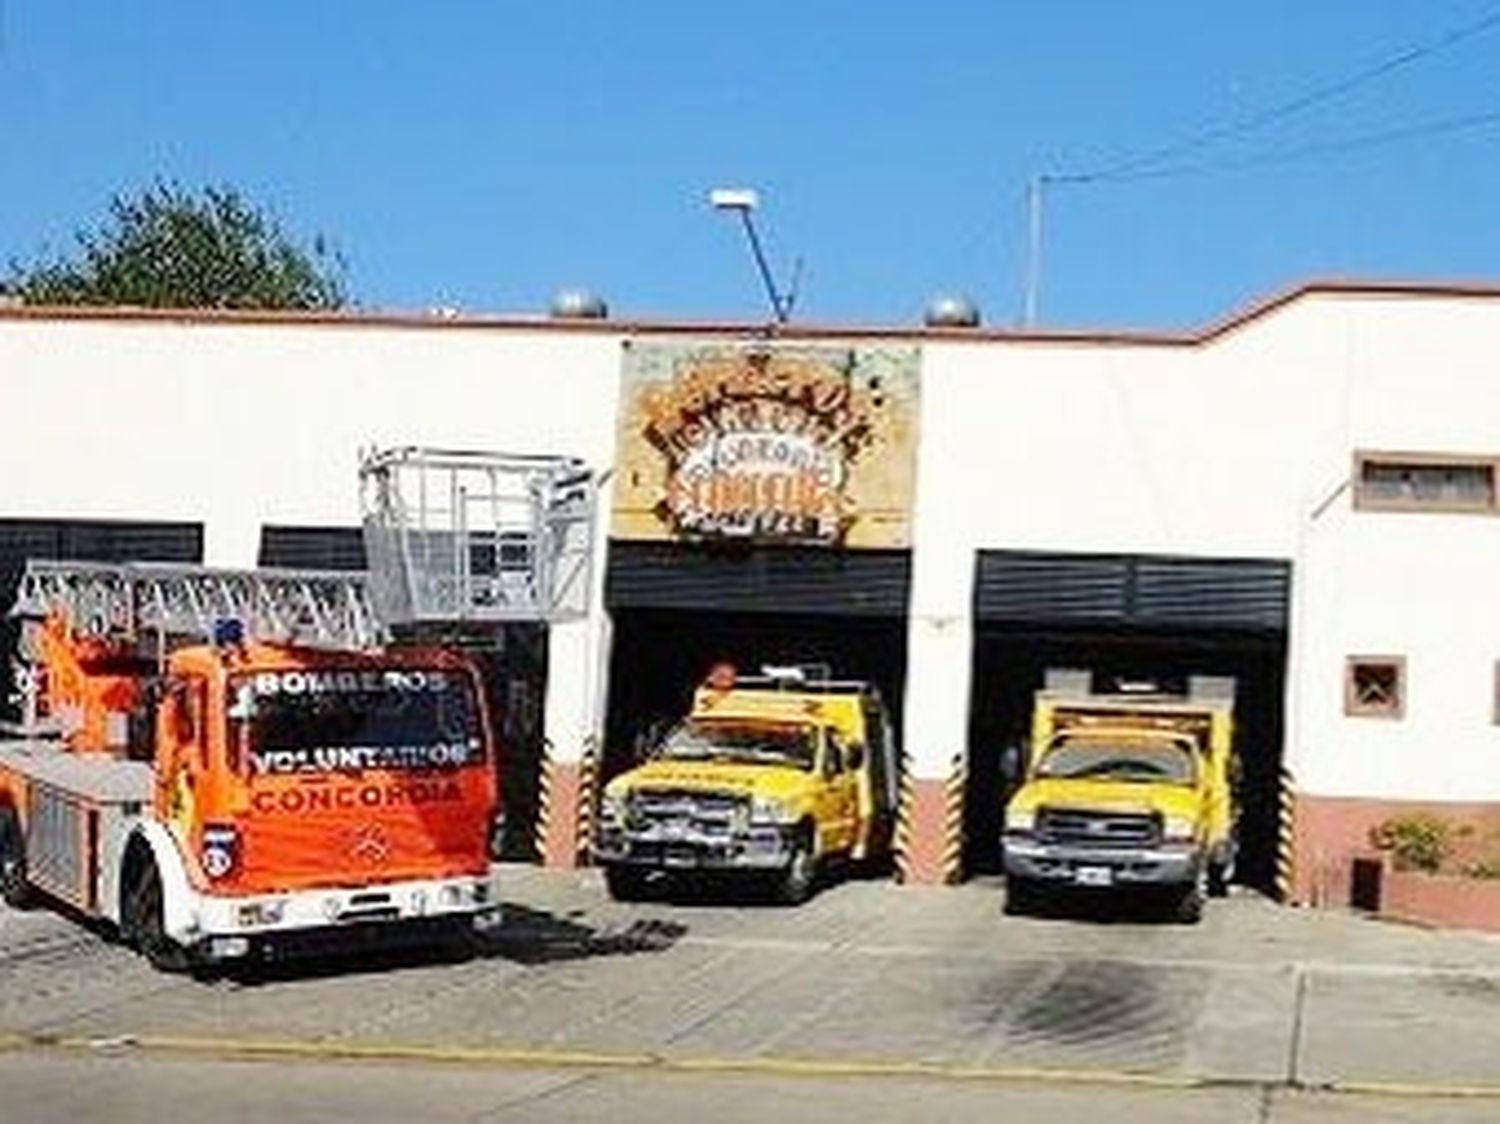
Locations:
{"points": [[588, 802], [953, 819], [901, 838], [1286, 840], [543, 806]]}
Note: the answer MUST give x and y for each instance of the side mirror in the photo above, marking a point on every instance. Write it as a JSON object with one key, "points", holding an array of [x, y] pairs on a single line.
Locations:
{"points": [[1012, 764], [855, 759]]}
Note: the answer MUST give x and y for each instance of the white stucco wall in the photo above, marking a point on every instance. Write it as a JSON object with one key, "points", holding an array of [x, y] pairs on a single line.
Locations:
{"points": [[1226, 447], [239, 425], [1423, 377]]}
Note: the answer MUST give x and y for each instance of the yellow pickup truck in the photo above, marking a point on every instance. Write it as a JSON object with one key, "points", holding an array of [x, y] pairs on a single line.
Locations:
{"points": [[1125, 791], [771, 777]]}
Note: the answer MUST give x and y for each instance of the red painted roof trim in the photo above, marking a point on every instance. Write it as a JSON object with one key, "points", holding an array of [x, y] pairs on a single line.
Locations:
{"points": [[1245, 315]]}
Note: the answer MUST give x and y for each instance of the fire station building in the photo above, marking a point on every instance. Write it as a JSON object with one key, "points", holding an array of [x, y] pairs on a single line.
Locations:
{"points": [[1302, 497]]}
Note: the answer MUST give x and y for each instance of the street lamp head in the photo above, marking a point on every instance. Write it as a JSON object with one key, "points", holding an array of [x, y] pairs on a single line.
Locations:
{"points": [[734, 198]]}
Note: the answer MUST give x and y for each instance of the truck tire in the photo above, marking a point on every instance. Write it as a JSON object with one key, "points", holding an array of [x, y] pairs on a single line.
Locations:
{"points": [[1218, 880], [1190, 900], [14, 887], [797, 880], [625, 883], [1221, 872], [1020, 897], [142, 922]]}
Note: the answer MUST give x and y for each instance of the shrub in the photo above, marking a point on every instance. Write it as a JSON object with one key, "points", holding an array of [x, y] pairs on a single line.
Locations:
{"points": [[1416, 842]]}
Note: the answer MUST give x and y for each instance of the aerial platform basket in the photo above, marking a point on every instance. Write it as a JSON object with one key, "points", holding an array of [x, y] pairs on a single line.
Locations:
{"points": [[471, 538]]}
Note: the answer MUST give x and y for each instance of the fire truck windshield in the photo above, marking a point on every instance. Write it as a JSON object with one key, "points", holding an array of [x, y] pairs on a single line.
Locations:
{"points": [[334, 720], [699, 739]]}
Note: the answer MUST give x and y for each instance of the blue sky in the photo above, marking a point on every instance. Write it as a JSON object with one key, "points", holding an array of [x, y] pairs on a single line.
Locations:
{"points": [[482, 155]]}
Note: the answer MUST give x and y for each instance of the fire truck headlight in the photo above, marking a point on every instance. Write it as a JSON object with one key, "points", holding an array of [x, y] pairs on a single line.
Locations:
{"points": [[419, 902], [612, 809], [1179, 829], [255, 914], [766, 811], [1020, 819]]}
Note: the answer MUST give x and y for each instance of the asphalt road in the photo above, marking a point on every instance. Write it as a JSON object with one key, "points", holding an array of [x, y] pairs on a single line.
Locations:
{"points": [[61, 1089], [872, 997]]}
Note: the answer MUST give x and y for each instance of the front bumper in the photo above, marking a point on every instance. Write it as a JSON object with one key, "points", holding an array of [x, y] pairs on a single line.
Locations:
{"points": [[1162, 865], [222, 927], [758, 847]]}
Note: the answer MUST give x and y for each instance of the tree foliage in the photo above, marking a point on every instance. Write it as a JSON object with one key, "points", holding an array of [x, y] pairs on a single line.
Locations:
{"points": [[171, 248]]}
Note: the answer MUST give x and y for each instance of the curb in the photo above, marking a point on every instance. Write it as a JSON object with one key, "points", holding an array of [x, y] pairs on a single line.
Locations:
{"points": [[789, 1067]]}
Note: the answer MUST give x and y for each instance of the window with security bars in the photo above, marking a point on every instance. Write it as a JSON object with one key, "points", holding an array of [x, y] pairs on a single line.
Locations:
{"points": [[1375, 686], [1425, 482]]}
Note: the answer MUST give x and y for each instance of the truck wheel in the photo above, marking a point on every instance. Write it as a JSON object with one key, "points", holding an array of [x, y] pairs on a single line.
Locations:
{"points": [[14, 888], [143, 922], [801, 873], [1020, 897], [625, 883], [1190, 901], [1218, 880]]}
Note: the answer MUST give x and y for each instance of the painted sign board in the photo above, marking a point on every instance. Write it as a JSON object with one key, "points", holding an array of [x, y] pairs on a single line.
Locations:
{"points": [[767, 442]]}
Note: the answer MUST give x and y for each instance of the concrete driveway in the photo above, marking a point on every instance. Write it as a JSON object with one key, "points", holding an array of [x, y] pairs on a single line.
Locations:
{"points": [[867, 979]]}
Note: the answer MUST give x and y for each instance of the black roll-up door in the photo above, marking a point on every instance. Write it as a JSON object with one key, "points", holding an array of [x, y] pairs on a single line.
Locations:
{"points": [[1213, 592], [873, 583], [97, 540], [1127, 590], [312, 548], [81, 540]]}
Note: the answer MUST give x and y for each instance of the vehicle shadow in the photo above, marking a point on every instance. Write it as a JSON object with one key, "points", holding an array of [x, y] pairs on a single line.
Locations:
{"points": [[1145, 907], [525, 936], [533, 936]]}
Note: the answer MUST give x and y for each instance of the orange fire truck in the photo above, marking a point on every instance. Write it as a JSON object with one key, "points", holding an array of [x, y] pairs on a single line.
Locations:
{"points": [[221, 762]]}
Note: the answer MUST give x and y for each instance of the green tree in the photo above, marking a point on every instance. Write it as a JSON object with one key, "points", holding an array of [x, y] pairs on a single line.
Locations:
{"points": [[171, 248]]}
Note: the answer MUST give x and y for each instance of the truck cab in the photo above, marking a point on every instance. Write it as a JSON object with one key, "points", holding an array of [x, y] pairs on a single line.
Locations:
{"points": [[1127, 791], [771, 777]]}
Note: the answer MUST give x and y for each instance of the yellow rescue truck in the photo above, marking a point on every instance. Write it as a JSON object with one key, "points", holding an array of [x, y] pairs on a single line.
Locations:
{"points": [[771, 777], [1125, 791]]}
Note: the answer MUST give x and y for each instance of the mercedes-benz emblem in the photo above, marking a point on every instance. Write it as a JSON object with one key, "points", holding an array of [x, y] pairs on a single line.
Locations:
{"points": [[370, 843]]}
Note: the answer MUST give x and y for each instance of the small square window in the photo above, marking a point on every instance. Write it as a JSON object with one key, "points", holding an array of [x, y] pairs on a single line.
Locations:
{"points": [[1375, 686]]}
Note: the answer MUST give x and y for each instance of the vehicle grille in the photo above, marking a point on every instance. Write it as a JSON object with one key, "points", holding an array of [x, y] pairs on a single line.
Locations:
{"points": [[709, 813], [1098, 829]]}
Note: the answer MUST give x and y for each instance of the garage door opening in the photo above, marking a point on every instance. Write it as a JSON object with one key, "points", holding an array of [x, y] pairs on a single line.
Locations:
{"points": [[679, 608], [1140, 617], [659, 656], [1009, 666]]}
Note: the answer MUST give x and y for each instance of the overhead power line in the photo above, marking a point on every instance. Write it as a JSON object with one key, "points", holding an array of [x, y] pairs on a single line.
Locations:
{"points": [[1147, 165], [1382, 137], [1313, 97]]}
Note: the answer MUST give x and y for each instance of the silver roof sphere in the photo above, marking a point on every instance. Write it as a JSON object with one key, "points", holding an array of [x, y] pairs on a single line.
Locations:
{"points": [[951, 310], [579, 304]]}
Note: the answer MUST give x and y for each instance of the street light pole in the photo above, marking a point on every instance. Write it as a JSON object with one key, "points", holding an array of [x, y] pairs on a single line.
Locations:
{"points": [[743, 201]]}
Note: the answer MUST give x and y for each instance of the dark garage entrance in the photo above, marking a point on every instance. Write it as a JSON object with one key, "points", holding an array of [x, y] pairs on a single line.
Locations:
{"points": [[79, 540], [679, 609], [1136, 617]]}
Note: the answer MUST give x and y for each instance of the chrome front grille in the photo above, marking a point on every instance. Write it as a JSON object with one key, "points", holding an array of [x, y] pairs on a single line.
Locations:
{"points": [[674, 810], [1098, 829]]}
